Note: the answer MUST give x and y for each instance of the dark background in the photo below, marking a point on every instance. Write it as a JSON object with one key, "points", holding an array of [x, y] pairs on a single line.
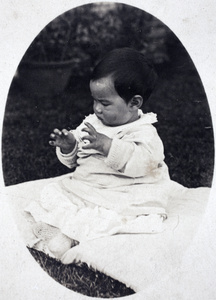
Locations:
{"points": [[80, 37]]}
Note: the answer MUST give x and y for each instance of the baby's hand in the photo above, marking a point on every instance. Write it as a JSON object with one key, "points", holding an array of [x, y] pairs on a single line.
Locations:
{"points": [[63, 139], [97, 141]]}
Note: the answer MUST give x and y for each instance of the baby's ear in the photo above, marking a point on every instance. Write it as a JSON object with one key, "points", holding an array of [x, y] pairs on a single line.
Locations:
{"points": [[136, 101]]}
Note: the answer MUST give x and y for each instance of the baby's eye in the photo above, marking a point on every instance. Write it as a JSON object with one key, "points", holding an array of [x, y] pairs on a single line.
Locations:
{"points": [[105, 104]]}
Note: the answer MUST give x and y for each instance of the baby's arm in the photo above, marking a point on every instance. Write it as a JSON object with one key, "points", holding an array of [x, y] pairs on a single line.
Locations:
{"points": [[64, 139], [136, 155]]}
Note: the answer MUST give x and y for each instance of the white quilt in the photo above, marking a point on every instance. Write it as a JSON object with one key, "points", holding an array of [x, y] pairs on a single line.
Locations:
{"points": [[138, 260]]}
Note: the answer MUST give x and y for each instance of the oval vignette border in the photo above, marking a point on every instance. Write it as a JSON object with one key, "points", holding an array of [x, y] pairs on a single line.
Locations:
{"points": [[24, 263]]}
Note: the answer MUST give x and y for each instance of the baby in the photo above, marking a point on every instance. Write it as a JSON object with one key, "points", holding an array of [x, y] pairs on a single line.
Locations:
{"points": [[121, 182]]}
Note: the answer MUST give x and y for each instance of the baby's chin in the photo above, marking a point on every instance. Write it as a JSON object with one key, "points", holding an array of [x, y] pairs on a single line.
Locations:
{"points": [[110, 124], [102, 121], [106, 123]]}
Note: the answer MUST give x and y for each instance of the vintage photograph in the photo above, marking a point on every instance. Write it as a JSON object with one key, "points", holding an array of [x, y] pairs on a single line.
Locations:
{"points": [[107, 149]]}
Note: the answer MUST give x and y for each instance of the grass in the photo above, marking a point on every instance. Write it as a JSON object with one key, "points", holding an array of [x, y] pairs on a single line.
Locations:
{"points": [[81, 278], [184, 125]]}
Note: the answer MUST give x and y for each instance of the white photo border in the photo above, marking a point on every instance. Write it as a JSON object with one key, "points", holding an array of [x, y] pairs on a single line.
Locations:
{"points": [[194, 23]]}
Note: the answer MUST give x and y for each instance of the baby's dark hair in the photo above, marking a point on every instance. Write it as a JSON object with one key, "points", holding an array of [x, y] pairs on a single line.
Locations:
{"points": [[132, 73]]}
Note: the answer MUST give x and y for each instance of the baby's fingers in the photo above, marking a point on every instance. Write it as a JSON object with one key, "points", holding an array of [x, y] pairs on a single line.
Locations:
{"points": [[65, 132], [88, 130], [57, 137], [88, 144], [52, 143], [88, 138], [52, 136], [53, 139], [91, 128], [57, 131]]}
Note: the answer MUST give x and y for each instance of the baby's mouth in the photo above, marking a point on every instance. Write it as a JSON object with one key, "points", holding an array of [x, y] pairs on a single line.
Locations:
{"points": [[100, 118]]}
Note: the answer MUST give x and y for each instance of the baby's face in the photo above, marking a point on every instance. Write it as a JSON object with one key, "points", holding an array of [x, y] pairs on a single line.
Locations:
{"points": [[109, 107]]}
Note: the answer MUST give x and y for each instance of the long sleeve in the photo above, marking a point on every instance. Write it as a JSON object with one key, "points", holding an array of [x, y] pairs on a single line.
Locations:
{"points": [[136, 154], [69, 160]]}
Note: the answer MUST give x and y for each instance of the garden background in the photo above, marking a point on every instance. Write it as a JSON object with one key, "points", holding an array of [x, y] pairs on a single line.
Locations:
{"points": [[82, 36], [79, 38]]}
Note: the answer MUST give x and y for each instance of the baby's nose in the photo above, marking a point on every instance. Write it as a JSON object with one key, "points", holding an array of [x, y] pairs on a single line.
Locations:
{"points": [[98, 108]]}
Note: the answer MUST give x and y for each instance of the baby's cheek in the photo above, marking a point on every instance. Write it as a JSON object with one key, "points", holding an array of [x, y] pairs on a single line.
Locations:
{"points": [[109, 115], [114, 118]]}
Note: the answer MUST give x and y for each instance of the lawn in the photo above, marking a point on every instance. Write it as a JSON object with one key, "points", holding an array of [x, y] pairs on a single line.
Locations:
{"points": [[184, 124]]}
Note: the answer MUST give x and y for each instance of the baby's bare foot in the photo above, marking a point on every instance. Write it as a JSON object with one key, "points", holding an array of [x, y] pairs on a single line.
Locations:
{"points": [[61, 244]]}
